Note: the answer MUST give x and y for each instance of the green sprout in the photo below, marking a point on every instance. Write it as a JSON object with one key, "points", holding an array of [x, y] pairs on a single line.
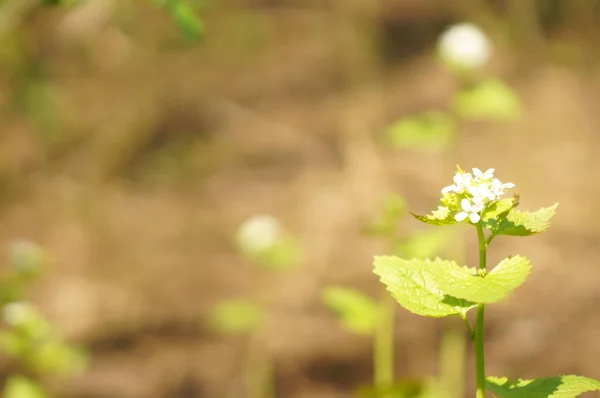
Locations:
{"points": [[439, 288]]}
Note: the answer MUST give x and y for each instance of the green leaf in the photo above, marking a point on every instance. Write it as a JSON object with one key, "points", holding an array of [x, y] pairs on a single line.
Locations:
{"points": [[439, 217], [54, 356], [409, 388], [524, 223], [466, 284], [285, 253], [185, 16], [415, 284], [490, 100], [22, 387], [497, 211], [236, 316], [188, 21], [425, 244], [550, 387], [431, 130], [357, 311], [394, 207]]}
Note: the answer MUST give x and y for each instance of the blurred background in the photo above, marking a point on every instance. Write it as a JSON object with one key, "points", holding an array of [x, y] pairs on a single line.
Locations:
{"points": [[138, 136]]}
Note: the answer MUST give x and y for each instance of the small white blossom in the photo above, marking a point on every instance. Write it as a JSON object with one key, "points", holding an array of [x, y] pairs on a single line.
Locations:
{"points": [[259, 233], [17, 313], [470, 210], [480, 176], [465, 45]]}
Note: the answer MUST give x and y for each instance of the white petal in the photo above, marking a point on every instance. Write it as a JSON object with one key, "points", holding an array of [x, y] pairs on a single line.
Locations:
{"points": [[460, 216], [448, 189], [477, 172], [465, 204], [477, 207], [474, 217], [508, 185]]}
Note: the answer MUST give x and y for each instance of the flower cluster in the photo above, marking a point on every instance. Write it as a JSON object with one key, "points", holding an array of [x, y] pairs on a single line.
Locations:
{"points": [[475, 191]]}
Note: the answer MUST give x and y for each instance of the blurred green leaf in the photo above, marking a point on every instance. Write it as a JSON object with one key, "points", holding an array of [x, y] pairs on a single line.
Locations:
{"points": [[431, 130], [185, 16], [489, 100], [236, 316], [13, 345], [21, 387], [394, 207], [283, 254], [409, 388], [56, 356], [357, 312], [425, 244]]}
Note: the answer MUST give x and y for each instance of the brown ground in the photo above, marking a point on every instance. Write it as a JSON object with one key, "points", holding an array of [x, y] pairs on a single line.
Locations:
{"points": [[164, 149]]}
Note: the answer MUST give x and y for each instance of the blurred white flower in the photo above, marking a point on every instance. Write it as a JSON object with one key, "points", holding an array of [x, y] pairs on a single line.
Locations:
{"points": [[465, 45], [259, 233], [17, 313]]}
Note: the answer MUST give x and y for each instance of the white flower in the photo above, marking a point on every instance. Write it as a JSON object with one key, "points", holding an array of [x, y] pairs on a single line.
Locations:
{"points": [[470, 210], [480, 176], [481, 193], [258, 233], [17, 313], [464, 45], [462, 182], [498, 188]]}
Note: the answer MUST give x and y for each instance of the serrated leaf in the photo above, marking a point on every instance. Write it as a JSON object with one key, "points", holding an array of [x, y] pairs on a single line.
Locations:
{"points": [[490, 100], [415, 284], [432, 130], [498, 211], [550, 387], [236, 316], [524, 223], [439, 217], [509, 274], [357, 311]]}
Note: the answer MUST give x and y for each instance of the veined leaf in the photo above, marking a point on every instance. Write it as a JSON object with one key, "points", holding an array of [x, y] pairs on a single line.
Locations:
{"points": [[415, 284], [550, 387], [509, 274], [524, 223], [356, 310], [497, 211]]}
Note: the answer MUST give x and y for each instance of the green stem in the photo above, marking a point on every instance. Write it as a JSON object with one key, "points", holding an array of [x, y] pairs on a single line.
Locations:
{"points": [[383, 354], [479, 354]]}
